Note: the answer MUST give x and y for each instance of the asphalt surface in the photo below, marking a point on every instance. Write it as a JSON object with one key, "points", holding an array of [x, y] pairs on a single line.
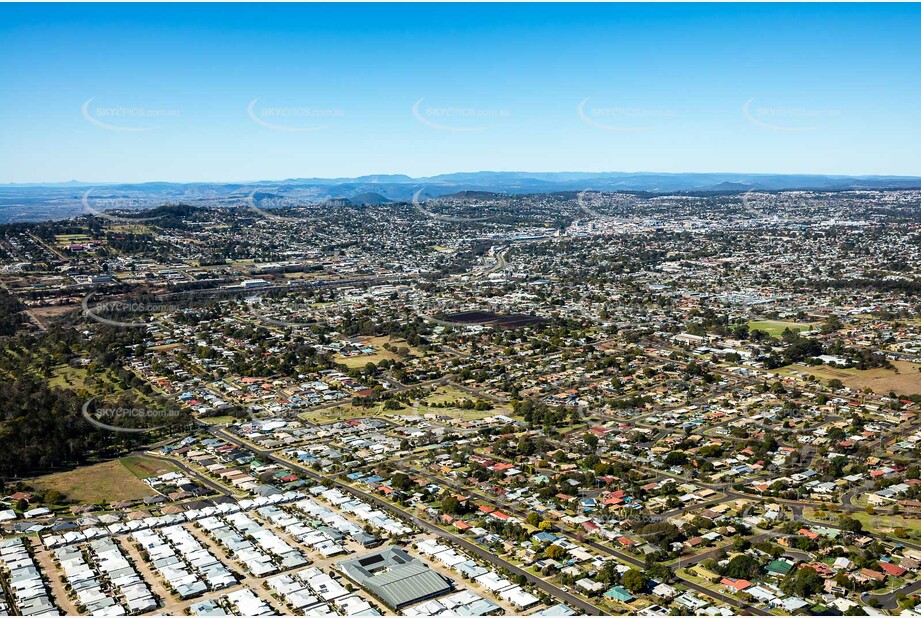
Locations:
{"points": [[627, 558], [484, 554]]}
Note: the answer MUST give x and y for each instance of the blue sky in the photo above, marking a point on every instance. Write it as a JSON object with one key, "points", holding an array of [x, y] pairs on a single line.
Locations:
{"points": [[234, 92]]}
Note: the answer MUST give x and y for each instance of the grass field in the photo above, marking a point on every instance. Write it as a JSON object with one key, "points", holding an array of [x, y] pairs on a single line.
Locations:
{"points": [[339, 413], [132, 228], [353, 362], [448, 394], [142, 467], [458, 413], [776, 327], [905, 379], [65, 376], [47, 313], [357, 362], [165, 347], [103, 482], [872, 523], [61, 240], [218, 420]]}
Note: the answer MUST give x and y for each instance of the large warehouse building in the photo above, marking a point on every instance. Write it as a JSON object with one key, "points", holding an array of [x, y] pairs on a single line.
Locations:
{"points": [[396, 578]]}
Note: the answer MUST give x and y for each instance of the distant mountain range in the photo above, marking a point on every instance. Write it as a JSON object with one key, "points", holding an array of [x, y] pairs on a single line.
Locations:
{"points": [[21, 202]]}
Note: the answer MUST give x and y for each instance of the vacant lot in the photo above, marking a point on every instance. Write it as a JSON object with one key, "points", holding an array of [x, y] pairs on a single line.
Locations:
{"points": [[353, 362], [62, 240], [872, 523], [43, 314], [340, 413], [776, 327], [103, 482], [449, 394], [441, 395], [142, 467], [165, 347], [446, 394], [218, 420], [905, 379]]}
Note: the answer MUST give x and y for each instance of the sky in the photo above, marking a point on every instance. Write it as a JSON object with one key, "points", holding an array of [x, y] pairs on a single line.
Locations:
{"points": [[239, 92]]}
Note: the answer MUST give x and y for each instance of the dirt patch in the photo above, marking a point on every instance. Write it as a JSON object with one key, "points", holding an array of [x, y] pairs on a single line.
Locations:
{"points": [[103, 482]]}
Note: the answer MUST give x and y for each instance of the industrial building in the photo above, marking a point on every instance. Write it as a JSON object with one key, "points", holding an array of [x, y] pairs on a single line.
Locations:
{"points": [[395, 577]]}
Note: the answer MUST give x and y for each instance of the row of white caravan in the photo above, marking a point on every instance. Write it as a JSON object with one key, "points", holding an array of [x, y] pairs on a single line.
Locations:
{"points": [[30, 596], [485, 577], [259, 550], [187, 567], [102, 581], [157, 521], [313, 592]]}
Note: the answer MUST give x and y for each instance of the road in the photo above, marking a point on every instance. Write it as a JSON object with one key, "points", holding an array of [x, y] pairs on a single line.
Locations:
{"points": [[480, 552], [218, 489], [623, 557]]}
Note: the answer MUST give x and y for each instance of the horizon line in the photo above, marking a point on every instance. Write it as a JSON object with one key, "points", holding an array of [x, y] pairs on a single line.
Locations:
{"points": [[48, 183]]}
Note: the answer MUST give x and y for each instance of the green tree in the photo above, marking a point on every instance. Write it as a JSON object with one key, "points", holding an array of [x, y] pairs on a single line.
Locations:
{"points": [[554, 552], [634, 580], [743, 567]]}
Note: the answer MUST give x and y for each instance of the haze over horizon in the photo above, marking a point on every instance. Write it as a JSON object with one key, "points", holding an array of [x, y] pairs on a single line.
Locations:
{"points": [[182, 94], [413, 179]]}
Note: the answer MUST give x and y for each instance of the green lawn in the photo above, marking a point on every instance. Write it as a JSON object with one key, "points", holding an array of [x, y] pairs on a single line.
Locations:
{"points": [[142, 467], [338, 413], [219, 420], [776, 327], [65, 376], [872, 523]]}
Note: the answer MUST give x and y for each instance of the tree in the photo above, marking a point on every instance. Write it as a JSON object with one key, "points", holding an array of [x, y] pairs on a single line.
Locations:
{"points": [[676, 458], [607, 574], [53, 496], [850, 524], [804, 582], [554, 552], [401, 481], [743, 567], [526, 446], [634, 580], [451, 505], [661, 533]]}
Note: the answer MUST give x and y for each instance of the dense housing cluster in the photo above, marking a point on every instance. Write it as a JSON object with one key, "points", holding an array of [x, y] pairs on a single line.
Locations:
{"points": [[551, 404]]}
